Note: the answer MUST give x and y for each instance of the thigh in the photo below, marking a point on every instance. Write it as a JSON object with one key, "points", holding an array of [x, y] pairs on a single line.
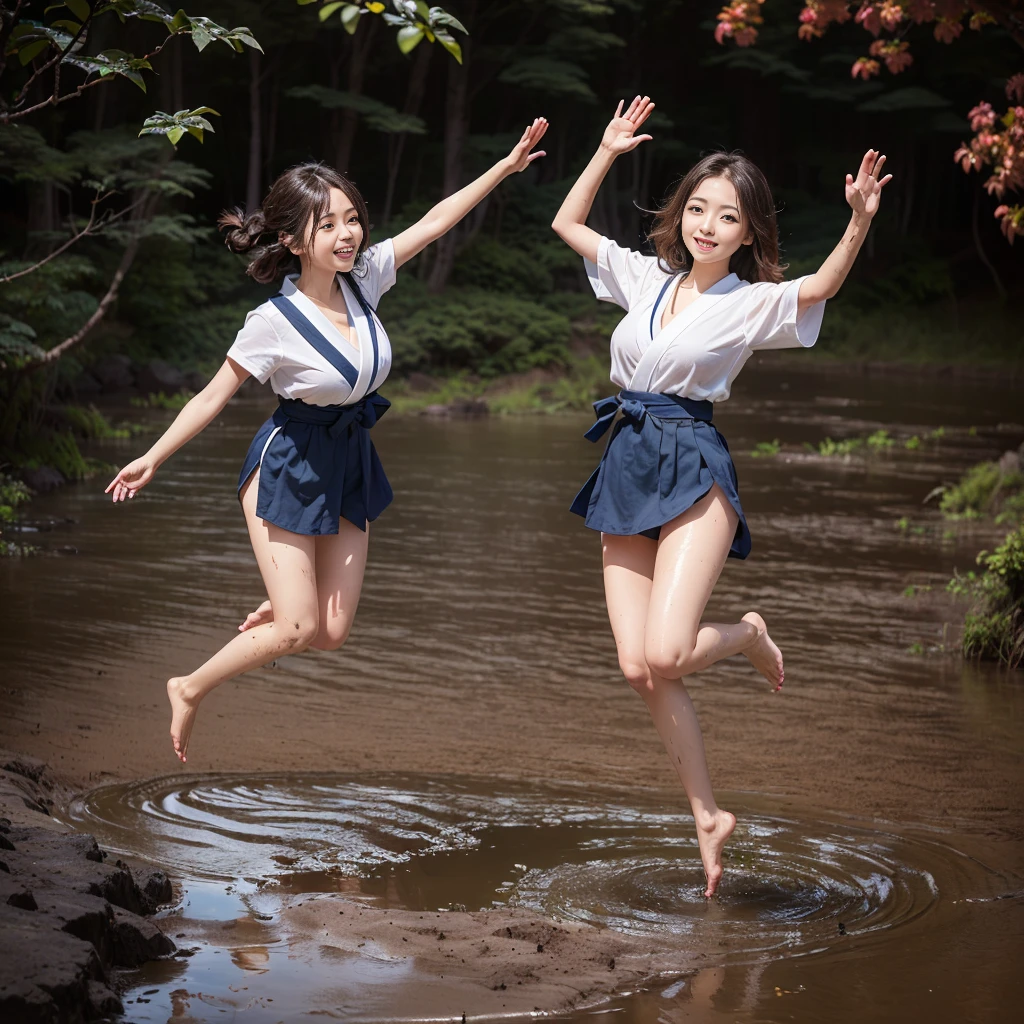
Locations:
{"points": [[628, 577], [340, 565], [286, 561], [692, 550]]}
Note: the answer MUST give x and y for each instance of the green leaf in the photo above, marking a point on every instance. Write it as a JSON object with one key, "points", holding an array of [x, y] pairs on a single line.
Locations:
{"points": [[28, 53], [423, 9], [201, 37], [409, 38], [303, 3], [174, 135], [328, 9], [449, 43], [79, 8], [69, 26], [134, 77], [350, 18], [439, 17]]}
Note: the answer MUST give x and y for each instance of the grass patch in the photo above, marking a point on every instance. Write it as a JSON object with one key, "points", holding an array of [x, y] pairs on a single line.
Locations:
{"points": [[13, 494], [766, 449], [994, 624], [985, 490], [173, 403]]}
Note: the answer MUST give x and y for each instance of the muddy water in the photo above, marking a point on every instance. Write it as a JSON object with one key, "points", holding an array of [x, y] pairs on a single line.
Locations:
{"points": [[473, 745]]}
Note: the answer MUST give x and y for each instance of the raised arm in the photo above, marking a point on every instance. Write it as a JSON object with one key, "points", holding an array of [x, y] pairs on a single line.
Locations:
{"points": [[863, 194], [196, 415], [570, 223], [443, 217]]}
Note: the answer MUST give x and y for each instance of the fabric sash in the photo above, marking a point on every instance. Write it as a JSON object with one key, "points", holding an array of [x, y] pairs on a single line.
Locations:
{"points": [[636, 405]]}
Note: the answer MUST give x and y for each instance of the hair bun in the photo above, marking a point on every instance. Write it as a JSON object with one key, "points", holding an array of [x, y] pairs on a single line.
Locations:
{"points": [[242, 231]]}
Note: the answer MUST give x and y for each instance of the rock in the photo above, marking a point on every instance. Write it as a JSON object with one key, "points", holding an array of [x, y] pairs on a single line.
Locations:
{"points": [[156, 376], [115, 373], [421, 382], [45, 973], [43, 479], [102, 1002], [137, 940], [1009, 462], [157, 888]]}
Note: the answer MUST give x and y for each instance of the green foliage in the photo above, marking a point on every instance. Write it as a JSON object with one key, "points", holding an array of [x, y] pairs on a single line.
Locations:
{"points": [[879, 440], [766, 449], [994, 624], [175, 125], [470, 328], [13, 493], [829, 448], [160, 400], [984, 490], [89, 422], [379, 116]]}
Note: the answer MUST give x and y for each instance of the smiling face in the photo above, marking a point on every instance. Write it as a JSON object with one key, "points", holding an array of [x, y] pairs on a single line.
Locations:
{"points": [[336, 238], [713, 226]]}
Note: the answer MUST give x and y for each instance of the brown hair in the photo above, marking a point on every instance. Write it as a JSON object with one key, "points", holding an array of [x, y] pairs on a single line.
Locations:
{"points": [[300, 196], [758, 261]]}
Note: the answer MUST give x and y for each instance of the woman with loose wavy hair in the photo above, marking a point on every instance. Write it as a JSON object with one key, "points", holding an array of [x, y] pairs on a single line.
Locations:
{"points": [[311, 482], [758, 261], [665, 496]]}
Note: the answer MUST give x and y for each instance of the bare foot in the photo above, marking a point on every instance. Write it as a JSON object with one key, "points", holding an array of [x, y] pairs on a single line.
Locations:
{"points": [[183, 714], [265, 613], [711, 837], [763, 653]]}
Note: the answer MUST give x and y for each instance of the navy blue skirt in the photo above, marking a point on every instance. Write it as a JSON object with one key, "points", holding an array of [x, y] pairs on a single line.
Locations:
{"points": [[664, 456], [320, 466]]}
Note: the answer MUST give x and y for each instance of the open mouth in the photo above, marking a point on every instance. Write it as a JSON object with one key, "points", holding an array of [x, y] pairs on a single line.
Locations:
{"points": [[704, 244], [345, 253]]}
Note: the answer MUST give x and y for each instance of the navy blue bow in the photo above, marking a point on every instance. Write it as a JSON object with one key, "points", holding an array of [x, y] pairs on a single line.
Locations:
{"points": [[365, 413], [606, 408]]}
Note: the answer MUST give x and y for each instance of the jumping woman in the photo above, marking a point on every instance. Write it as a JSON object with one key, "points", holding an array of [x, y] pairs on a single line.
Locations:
{"points": [[311, 481], [664, 496]]}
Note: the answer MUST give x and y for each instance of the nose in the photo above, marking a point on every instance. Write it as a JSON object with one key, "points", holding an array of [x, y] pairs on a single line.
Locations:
{"points": [[707, 228]]}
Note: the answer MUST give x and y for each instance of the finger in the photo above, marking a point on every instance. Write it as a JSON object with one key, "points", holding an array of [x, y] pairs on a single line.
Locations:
{"points": [[876, 170], [618, 109], [631, 112], [643, 114], [869, 159], [885, 180], [849, 179], [534, 156]]}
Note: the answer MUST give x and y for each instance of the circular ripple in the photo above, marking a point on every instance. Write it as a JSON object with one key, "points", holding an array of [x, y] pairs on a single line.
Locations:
{"points": [[791, 886]]}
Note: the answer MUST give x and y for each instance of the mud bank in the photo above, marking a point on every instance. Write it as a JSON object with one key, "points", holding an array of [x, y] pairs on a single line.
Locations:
{"points": [[70, 914]]}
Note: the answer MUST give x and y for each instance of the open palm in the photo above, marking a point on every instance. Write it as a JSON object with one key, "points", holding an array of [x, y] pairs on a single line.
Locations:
{"points": [[520, 158], [865, 192], [619, 136]]}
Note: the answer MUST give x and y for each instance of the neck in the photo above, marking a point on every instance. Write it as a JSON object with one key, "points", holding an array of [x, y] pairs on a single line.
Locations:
{"points": [[316, 282], [703, 275]]}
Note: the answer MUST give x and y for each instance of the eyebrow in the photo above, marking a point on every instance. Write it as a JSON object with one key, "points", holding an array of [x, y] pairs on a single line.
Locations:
{"points": [[701, 199], [331, 215]]}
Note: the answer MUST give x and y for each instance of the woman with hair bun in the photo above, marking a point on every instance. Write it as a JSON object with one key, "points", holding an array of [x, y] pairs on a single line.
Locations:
{"points": [[311, 481], [665, 493]]}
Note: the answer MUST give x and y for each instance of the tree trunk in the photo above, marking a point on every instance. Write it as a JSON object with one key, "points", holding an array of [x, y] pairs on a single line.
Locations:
{"points": [[456, 128], [413, 102], [254, 177], [360, 52]]}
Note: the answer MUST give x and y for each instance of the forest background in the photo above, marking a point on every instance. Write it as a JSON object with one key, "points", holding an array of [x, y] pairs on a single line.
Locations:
{"points": [[148, 278]]}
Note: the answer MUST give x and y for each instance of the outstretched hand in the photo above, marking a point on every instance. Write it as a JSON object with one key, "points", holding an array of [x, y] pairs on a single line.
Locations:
{"points": [[864, 193], [520, 158], [619, 136], [131, 479]]}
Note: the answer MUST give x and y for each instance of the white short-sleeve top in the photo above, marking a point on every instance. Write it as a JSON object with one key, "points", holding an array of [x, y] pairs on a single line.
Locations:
{"points": [[270, 348], [700, 352]]}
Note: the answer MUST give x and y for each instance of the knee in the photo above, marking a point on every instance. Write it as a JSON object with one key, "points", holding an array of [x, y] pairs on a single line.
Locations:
{"points": [[637, 674], [668, 660], [299, 633], [331, 636]]}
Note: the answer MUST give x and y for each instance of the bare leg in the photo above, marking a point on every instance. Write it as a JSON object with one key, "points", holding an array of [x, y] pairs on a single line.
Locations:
{"points": [[629, 569], [286, 562], [340, 565]]}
